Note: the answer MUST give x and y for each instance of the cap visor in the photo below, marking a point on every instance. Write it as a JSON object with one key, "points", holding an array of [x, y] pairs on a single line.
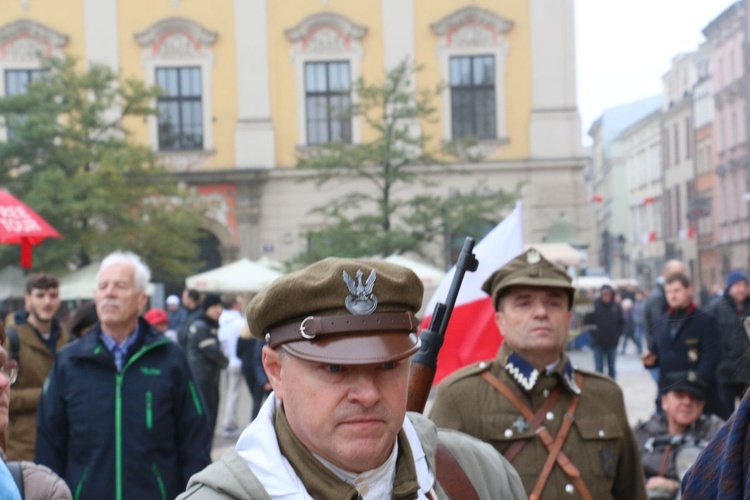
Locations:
{"points": [[356, 349]]}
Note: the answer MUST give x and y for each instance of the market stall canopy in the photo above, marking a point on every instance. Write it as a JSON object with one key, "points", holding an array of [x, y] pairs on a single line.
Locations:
{"points": [[81, 283], [243, 275], [428, 274], [20, 225], [559, 253], [12, 283], [592, 282]]}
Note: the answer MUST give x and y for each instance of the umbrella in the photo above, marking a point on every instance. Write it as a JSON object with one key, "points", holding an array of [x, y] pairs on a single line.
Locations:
{"points": [[21, 225], [243, 275]]}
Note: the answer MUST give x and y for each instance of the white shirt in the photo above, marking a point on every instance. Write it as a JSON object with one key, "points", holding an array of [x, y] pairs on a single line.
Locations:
{"points": [[230, 326]]}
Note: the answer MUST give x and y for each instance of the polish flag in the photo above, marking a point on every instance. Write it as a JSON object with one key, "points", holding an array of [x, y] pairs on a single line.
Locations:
{"points": [[597, 198], [472, 334]]}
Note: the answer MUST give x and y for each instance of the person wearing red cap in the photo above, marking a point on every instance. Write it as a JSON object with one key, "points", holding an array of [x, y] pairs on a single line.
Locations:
{"points": [[340, 335], [157, 318]]}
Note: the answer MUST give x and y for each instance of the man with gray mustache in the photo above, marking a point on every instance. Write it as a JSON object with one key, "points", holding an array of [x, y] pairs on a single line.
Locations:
{"points": [[120, 415]]}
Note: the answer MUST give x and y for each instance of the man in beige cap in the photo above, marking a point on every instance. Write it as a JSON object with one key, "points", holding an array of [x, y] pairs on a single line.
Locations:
{"points": [[340, 335], [564, 430]]}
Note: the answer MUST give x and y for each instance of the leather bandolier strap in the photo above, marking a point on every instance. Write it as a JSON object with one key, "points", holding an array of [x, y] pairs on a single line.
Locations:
{"points": [[451, 476], [536, 421], [553, 445]]}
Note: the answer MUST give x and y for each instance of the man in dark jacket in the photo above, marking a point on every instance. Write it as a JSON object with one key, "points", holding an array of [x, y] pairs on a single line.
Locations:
{"points": [[205, 356], [734, 368], [120, 416], [686, 339], [606, 324]]}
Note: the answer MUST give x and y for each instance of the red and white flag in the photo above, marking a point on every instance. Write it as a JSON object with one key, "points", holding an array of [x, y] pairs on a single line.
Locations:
{"points": [[472, 334]]}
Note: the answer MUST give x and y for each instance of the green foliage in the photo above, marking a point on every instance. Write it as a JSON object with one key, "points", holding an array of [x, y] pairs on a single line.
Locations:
{"points": [[71, 158], [375, 217]]}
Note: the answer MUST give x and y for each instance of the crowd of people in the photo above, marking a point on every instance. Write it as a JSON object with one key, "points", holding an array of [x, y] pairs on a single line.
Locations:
{"points": [[122, 401]]}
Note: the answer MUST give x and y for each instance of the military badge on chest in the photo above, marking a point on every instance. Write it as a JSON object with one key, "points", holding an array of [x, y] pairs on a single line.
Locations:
{"points": [[608, 462]]}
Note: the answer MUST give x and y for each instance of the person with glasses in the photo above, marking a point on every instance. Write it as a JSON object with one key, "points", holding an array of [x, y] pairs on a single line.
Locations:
{"points": [[22, 479]]}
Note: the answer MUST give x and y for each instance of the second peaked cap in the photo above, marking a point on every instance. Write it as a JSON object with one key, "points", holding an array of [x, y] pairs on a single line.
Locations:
{"points": [[528, 269]]}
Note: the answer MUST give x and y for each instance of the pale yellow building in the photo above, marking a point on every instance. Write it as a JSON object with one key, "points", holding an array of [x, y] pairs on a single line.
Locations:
{"points": [[252, 84]]}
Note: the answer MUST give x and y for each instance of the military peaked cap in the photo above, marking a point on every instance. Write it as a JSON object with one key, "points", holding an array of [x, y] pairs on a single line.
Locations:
{"points": [[528, 269], [341, 311]]}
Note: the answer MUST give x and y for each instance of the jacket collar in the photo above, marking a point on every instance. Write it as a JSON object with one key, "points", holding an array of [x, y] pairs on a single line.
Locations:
{"points": [[91, 346], [259, 448], [527, 375], [688, 310]]}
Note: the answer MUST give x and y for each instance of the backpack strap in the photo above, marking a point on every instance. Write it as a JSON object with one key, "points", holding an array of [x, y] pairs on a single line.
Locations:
{"points": [[15, 342], [16, 470], [451, 476]]}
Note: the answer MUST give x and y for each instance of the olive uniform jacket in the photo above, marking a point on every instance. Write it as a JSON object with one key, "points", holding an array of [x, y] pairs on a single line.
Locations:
{"points": [[600, 442], [35, 362], [231, 477]]}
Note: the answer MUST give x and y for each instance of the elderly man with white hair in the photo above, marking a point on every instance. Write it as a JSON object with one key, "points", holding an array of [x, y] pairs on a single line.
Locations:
{"points": [[120, 415]]}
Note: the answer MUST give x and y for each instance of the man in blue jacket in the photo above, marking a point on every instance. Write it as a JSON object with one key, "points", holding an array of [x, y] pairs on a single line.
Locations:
{"points": [[120, 415]]}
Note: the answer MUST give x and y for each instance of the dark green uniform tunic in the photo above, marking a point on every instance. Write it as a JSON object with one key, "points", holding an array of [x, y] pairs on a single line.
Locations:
{"points": [[600, 443]]}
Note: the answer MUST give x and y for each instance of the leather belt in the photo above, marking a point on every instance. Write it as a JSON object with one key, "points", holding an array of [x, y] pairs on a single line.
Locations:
{"points": [[314, 327]]}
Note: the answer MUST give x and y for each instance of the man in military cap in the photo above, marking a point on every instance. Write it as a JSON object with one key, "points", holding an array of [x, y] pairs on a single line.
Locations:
{"points": [[682, 423], [340, 335], [564, 430]]}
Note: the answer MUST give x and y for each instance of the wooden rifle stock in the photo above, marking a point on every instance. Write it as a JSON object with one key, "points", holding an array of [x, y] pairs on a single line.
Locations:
{"points": [[424, 363]]}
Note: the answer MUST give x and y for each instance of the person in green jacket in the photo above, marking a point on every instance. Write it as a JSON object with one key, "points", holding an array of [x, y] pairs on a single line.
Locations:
{"points": [[340, 335]]}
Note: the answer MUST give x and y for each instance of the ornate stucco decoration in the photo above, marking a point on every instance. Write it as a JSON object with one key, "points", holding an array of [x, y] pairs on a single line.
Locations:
{"points": [[176, 38], [472, 27], [326, 32], [27, 40]]}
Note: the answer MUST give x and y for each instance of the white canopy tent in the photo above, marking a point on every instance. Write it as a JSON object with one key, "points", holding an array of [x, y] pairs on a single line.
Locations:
{"points": [[243, 275], [428, 274], [559, 253], [81, 283], [12, 283]]}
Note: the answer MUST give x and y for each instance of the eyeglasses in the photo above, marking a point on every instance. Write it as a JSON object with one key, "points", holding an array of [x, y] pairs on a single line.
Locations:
{"points": [[9, 367]]}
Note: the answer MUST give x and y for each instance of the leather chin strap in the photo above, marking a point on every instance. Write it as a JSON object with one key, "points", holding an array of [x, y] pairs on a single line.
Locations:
{"points": [[553, 445], [318, 327]]}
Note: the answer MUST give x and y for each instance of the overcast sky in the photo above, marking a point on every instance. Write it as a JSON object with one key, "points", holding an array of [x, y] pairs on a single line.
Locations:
{"points": [[624, 47]]}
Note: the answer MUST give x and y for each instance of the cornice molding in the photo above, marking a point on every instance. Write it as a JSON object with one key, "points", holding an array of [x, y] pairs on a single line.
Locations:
{"points": [[25, 39], [345, 28], [474, 17], [161, 30]]}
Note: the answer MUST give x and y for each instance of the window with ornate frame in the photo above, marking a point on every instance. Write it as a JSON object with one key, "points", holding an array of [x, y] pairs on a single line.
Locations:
{"points": [[326, 38], [24, 43], [473, 34], [17, 82], [177, 56]]}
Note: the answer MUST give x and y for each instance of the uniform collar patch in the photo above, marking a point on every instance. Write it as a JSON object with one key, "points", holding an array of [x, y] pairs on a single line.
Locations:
{"points": [[522, 371], [527, 375], [569, 376]]}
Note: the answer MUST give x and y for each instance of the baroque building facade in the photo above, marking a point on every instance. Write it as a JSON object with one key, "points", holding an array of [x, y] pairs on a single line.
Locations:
{"points": [[251, 85]]}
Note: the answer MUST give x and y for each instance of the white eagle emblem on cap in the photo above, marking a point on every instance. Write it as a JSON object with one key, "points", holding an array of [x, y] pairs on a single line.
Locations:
{"points": [[361, 300]]}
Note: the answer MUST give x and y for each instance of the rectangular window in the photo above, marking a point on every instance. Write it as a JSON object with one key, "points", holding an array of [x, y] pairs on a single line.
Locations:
{"points": [[328, 102], [665, 147], [180, 108], [676, 144], [472, 81], [688, 139], [17, 82]]}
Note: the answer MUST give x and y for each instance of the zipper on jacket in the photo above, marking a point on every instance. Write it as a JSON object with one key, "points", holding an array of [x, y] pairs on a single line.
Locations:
{"points": [[79, 486], [149, 411], [118, 415], [196, 398], [159, 481]]}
